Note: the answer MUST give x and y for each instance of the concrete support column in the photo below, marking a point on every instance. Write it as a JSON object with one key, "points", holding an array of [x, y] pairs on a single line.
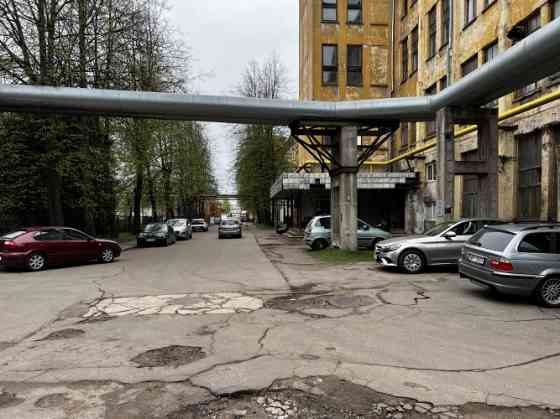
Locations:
{"points": [[485, 167], [446, 163], [549, 168], [344, 191]]}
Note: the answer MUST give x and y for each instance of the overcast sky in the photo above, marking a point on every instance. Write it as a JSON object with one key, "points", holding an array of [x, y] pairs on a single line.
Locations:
{"points": [[224, 35]]}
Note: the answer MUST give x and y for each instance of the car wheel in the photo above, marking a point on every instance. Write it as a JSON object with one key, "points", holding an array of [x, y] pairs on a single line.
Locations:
{"points": [[107, 255], [548, 292], [36, 262], [412, 261], [319, 244]]}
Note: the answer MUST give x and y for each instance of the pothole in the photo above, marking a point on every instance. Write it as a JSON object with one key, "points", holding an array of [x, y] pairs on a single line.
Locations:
{"points": [[64, 334], [169, 356], [9, 399], [333, 398], [294, 303]]}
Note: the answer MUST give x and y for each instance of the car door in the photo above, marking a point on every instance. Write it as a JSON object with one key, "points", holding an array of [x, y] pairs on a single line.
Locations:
{"points": [[50, 241], [442, 249], [79, 247], [463, 231]]}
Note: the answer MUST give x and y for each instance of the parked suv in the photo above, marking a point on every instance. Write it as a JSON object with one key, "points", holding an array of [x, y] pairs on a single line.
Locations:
{"points": [[441, 245], [318, 233], [522, 259], [182, 228]]}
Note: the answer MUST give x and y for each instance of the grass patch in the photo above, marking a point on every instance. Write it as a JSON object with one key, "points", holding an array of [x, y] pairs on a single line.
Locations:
{"points": [[343, 257]]}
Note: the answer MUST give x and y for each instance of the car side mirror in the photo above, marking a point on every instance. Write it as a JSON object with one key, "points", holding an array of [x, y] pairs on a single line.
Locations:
{"points": [[450, 235]]}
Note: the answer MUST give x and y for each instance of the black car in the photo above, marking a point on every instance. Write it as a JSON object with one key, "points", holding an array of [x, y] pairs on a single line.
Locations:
{"points": [[156, 234]]}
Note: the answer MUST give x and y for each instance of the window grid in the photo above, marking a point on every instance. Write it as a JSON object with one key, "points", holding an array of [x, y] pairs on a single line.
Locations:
{"points": [[355, 14], [432, 28], [470, 11], [445, 22], [328, 11], [354, 65], [404, 59], [469, 66], [330, 65], [414, 47]]}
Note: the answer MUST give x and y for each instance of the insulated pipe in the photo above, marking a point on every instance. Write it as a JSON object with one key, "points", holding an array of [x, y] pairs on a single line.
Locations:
{"points": [[532, 59]]}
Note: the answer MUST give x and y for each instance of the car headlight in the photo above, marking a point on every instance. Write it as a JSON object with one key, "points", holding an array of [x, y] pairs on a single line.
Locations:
{"points": [[392, 247]]}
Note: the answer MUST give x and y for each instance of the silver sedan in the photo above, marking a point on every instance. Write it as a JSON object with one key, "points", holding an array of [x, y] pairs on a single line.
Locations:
{"points": [[440, 245]]}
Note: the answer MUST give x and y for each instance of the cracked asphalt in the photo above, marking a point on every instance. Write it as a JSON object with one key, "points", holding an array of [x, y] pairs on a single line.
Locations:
{"points": [[257, 328]]}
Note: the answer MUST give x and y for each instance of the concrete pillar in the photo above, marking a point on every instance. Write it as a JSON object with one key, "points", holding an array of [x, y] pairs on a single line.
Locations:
{"points": [[507, 184], [488, 152], [446, 163], [344, 191], [548, 178]]}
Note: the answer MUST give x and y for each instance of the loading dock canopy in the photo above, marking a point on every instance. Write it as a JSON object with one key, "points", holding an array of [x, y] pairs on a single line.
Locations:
{"points": [[532, 59]]}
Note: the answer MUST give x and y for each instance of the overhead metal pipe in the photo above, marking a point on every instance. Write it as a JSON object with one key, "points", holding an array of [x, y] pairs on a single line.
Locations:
{"points": [[532, 59]]}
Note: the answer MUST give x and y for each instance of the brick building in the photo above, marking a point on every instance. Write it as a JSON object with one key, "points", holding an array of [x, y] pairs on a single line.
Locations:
{"points": [[360, 49]]}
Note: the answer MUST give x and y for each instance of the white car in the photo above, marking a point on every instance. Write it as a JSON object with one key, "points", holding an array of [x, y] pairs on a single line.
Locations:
{"points": [[199, 224]]}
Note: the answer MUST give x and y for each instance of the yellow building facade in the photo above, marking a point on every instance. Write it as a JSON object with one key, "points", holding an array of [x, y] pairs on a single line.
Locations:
{"points": [[420, 47]]}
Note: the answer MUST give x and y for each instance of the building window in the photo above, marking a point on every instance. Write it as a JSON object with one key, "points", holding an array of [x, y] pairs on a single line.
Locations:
{"points": [[470, 65], [414, 48], [443, 83], [354, 65], [432, 28], [404, 135], [555, 9], [487, 3], [431, 125], [470, 11], [445, 22], [412, 134], [328, 13], [431, 171], [520, 31], [404, 8], [355, 12], [330, 64], [490, 52], [404, 59], [529, 156]]}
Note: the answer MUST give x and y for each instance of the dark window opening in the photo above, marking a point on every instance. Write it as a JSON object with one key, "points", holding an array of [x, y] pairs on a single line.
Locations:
{"points": [[432, 32], [530, 171], [445, 22], [469, 66], [404, 59], [470, 11], [431, 125], [431, 171], [443, 83], [355, 12], [328, 13], [330, 64], [354, 65], [518, 32], [404, 135], [404, 10], [414, 48]]}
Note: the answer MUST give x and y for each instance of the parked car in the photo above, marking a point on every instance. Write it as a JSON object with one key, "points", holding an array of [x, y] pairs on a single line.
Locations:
{"points": [[182, 228], [230, 228], [36, 248], [199, 224], [521, 259], [318, 233], [156, 233], [441, 245]]}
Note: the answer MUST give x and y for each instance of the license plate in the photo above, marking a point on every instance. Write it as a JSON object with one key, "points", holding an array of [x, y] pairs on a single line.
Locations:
{"points": [[476, 259], [150, 240]]}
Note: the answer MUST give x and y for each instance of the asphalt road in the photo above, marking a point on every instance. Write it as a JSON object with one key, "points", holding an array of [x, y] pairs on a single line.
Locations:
{"points": [[165, 328]]}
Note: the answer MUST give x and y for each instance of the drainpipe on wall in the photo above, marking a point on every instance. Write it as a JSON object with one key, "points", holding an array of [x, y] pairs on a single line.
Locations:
{"points": [[393, 47], [450, 44]]}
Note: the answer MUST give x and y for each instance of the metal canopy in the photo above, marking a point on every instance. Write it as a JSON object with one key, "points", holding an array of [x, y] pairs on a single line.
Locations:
{"points": [[532, 59]]}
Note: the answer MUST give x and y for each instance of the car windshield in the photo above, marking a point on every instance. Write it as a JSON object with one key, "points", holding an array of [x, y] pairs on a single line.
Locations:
{"points": [[14, 235], [438, 229], [229, 223], [151, 228], [176, 223], [198, 221]]}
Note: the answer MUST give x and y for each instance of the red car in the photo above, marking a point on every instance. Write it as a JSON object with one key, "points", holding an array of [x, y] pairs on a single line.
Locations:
{"points": [[38, 247]]}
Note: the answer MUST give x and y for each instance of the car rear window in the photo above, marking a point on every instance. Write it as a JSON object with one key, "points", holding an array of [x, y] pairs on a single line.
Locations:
{"points": [[13, 235], [491, 239]]}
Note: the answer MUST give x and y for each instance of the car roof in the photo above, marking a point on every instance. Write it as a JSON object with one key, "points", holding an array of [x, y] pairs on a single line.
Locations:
{"points": [[519, 227]]}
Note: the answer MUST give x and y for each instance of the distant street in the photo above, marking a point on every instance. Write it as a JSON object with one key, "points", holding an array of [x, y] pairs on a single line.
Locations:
{"points": [[167, 332]]}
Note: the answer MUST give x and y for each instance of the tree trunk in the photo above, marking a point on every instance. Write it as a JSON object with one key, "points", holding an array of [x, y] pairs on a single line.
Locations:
{"points": [[138, 200]]}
